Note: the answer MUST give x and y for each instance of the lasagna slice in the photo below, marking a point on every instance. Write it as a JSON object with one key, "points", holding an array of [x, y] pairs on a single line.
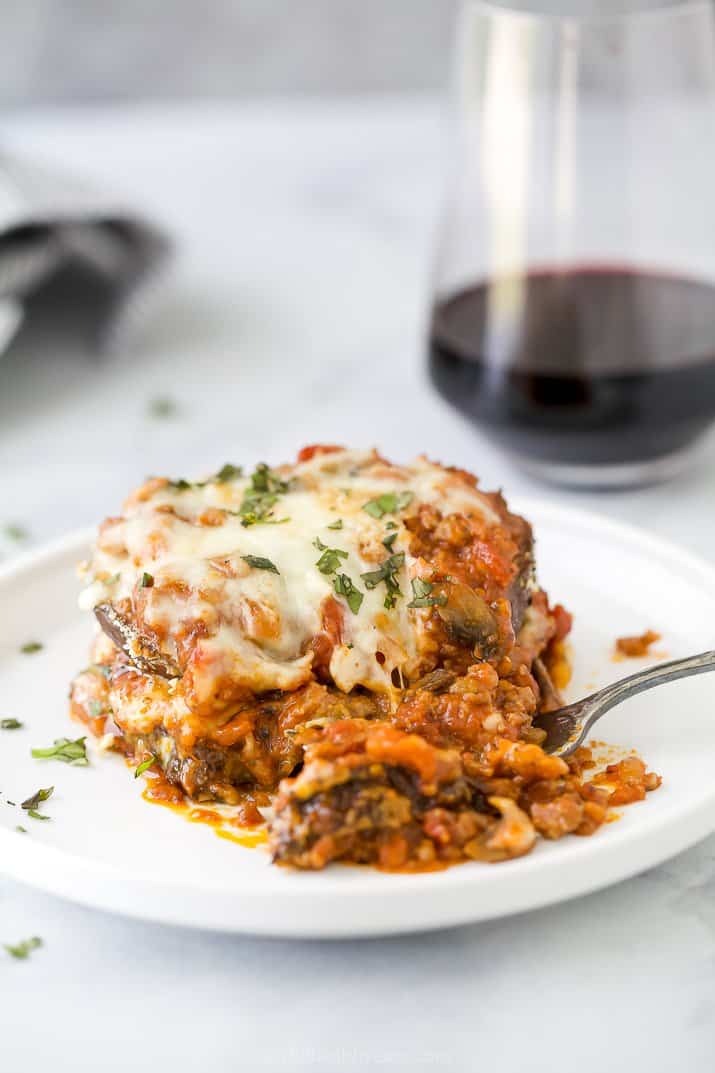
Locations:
{"points": [[241, 617]]}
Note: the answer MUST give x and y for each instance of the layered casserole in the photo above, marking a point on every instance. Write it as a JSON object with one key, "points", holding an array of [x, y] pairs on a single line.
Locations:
{"points": [[352, 648]]}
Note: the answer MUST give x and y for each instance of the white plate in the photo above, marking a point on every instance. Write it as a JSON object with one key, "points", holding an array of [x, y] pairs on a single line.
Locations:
{"points": [[106, 847]]}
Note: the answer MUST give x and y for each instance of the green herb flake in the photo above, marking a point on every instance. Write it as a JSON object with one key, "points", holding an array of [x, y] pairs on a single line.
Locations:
{"points": [[260, 499], [331, 560], [23, 949], [388, 503], [144, 766], [228, 472], [37, 798], [422, 594], [16, 533], [10, 724], [95, 708], [30, 647], [259, 563], [344, 587], [263, 479], [389, 541], [21, 830], [387, 573], [146, 581], [37, 815], [68, 752], [257, 508], [338, 524], [162, 407]]}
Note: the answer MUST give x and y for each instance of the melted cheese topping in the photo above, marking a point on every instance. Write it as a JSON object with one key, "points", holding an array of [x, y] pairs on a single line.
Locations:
{"points": [[253, 627]]}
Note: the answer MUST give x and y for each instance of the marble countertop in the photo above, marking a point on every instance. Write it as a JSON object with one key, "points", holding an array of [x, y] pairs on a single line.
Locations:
{"points": [[294, 313]]}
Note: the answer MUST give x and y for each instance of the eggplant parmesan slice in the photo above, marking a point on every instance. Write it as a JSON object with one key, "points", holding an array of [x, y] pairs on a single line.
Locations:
{"points": [[251, 622]]}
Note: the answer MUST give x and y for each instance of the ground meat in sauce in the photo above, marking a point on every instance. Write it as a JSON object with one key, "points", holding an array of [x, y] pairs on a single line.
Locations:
{"points": [[374, 794], [637, 647], [628, 780]]}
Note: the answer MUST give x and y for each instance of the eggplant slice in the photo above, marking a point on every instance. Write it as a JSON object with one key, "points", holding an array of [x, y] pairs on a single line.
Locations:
{"points": [[141, 652], [519, 592], [469, 618]]}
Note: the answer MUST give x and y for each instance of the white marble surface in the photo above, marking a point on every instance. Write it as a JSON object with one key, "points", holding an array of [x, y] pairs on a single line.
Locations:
{"points": [[295, 315]]}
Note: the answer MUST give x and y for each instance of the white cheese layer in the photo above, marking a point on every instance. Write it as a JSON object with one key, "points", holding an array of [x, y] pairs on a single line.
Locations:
{"points": [[252, 625]]}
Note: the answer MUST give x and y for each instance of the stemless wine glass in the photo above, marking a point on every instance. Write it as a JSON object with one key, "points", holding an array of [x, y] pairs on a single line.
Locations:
{"points": [[574, 298]]}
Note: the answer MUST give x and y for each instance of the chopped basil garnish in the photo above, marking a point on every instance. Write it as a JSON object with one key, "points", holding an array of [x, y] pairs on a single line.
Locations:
{"points": [[95, 708], [146, 581], [257, 506], [336, 524], [144, 766], [23, 949], [422, 597], [30, 647], [387, 572], [344, 587], [260, 499], [68, 752], [10, 724], [228, 472], [259, 563], [390, 540], [265, 480], [330, 561], [21, 830], [388, 503], [37, 798]]}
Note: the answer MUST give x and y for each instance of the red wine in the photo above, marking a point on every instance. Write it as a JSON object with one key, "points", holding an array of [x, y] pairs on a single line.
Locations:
{"points": [[594, 365]]}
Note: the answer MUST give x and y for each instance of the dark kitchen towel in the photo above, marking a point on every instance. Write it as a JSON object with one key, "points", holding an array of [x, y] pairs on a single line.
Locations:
{"points": [[53, 226]]}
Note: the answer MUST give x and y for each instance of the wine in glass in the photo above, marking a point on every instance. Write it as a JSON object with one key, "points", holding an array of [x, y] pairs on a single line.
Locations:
{"points": [[573, 315]]}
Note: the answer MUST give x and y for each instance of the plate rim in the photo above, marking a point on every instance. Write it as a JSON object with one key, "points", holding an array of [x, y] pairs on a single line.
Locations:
{"points": [[144, 896]]}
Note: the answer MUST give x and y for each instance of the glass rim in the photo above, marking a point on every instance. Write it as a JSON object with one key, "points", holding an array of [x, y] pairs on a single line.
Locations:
{"points": [[671, 10]]}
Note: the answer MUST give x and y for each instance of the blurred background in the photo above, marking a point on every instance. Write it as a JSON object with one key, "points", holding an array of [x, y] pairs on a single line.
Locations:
{"points": [[57, 51]]}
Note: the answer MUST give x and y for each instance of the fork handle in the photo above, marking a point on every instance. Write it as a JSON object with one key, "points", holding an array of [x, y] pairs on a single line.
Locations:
{"points": [[613, 694]]}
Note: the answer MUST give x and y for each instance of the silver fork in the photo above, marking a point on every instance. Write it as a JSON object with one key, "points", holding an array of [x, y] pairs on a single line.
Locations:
{"points": [[567, 727]]}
